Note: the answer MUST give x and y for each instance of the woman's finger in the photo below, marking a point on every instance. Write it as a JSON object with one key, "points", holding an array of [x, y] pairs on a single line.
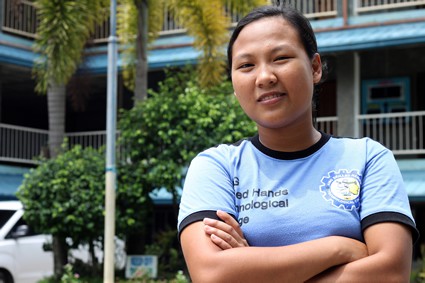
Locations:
{"points": [[227, 218], [220, 238], [224, 228], [220, 242], [225, 232]]}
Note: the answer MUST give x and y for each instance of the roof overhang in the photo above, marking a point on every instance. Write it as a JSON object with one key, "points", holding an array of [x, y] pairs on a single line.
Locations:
{"points": [[371, 37]]}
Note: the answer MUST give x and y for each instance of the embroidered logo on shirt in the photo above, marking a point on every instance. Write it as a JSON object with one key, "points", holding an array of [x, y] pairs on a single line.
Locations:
{"points": [[342, 188]]}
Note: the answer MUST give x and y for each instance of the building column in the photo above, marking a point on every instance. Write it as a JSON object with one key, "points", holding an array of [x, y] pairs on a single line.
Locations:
{"points": [[1, 91], [1, 82], [2, 5], [348, 93]]}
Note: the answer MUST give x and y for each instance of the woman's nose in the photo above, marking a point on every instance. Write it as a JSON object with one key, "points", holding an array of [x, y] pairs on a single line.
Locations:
{"points": [[266, 77]]}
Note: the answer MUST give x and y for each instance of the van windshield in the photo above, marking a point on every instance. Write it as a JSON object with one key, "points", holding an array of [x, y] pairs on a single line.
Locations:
{"points": [[5, 216]]}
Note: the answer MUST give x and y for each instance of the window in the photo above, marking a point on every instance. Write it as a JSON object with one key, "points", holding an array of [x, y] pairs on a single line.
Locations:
{"points": [[388, 95]]}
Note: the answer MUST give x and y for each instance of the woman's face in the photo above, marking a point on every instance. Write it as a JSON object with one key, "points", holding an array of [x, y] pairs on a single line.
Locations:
{"points": [[272, 75]]}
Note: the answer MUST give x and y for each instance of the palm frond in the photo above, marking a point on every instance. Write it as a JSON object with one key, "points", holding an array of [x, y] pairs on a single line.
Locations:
{"points": [[127, 33], [127, 17], [156, 18], [242, 7], [64, 28], [207, 22]]}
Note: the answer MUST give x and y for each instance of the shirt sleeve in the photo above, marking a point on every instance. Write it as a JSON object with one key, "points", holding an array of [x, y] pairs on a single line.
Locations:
{"points": [[208, 187], [383, 195]]}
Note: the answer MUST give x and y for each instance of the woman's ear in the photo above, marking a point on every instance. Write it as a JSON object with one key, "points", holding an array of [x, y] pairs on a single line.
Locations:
{"points": [[316, 64]]}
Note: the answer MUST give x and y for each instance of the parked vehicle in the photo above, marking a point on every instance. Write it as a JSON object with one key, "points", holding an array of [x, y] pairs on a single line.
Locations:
{"points": [[23, 258]]}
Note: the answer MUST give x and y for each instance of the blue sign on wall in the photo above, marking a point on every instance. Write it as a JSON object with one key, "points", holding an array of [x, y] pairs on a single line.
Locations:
{"points": [[141, 266]]}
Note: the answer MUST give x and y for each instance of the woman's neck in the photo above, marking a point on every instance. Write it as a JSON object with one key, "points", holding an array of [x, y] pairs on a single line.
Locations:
{"points": [[289, 141]]}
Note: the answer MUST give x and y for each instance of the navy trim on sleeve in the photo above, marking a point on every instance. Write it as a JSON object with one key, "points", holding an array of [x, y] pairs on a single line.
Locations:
{"points": [[198, 216], [391, 217]]}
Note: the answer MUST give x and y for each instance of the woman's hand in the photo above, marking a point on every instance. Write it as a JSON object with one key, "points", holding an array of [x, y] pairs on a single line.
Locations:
{"points": [[227, 234]]}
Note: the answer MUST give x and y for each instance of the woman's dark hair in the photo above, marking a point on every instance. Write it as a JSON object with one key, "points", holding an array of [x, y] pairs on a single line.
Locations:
{"points": [[292, 16], [295, 18]]}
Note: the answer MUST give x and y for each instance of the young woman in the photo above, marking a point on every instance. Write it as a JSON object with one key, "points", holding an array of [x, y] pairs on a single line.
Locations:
{"points": [[303, 205]]}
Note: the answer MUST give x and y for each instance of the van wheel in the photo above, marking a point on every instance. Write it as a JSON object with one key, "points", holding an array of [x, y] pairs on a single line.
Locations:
{"points": [[5, 277]]}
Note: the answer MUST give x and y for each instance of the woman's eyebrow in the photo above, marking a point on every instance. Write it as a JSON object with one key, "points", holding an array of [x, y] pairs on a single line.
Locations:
{"points": [[281, 47], [243, 56]]}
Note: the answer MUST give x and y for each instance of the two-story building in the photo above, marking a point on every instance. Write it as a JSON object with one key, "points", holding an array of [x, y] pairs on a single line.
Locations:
{"points": [[375, 87]]}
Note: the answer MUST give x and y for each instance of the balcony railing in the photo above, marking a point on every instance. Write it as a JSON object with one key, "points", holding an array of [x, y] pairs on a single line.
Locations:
{"points": [[25, 145], [316, 8], [364, 6], [328, 125], [94, 139], [403, 133], [22, 144], [20, 17]]}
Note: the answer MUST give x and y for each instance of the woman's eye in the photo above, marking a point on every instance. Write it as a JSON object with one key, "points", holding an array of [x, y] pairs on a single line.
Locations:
{"points": [[280, 58], [246, 65]]}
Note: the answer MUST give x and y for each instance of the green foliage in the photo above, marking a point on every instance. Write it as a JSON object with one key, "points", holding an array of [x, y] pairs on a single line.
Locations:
{"points": [[62, 33], [179, 277], [127, 16], [170, 258], [163, 133], [69, 276], [65, 196], [128, 31], [417, 274], [242, 7], [207, 23]]}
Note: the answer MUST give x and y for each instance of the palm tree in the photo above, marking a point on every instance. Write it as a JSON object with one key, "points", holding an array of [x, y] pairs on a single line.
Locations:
{"points": [[63, 30]]}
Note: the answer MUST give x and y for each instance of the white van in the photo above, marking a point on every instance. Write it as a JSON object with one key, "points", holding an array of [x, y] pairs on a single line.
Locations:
{"points": [[22, 257]]}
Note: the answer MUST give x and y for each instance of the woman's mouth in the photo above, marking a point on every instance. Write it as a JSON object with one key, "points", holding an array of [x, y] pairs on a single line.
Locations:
{"points": [[270, 96]]}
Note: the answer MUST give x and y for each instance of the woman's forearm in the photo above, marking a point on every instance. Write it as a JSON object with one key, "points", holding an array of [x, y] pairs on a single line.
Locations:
{"points": [[389, 260], [295, 263], [370, 269]]}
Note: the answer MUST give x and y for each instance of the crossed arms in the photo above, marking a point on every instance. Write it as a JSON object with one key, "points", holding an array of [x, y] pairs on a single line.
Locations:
{"points": [[216, 251]]}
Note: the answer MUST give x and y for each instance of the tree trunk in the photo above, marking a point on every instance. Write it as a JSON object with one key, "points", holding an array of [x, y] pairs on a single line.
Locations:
{"points": [[141, 79], [60, 255], [1, 91], [56, 107], [94, 261]]}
